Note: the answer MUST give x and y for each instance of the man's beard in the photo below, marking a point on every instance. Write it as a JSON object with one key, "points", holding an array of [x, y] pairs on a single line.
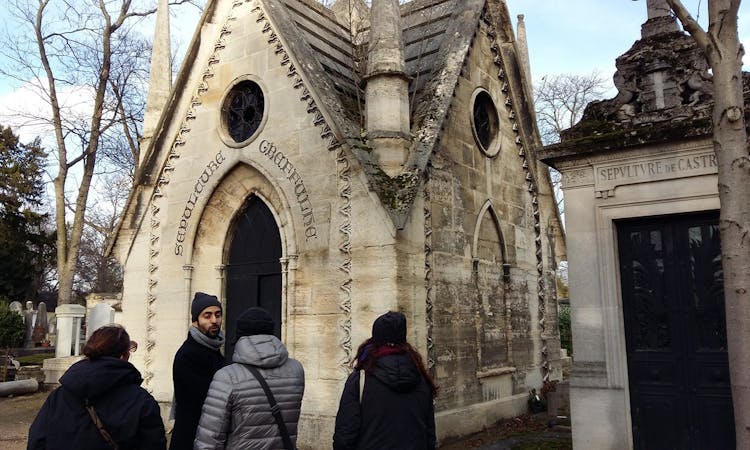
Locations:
{"points": [[210, 331]]}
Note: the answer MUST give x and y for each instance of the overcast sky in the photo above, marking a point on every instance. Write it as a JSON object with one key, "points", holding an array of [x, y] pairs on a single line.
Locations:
{"points": [[564, 36], [579, 36]]}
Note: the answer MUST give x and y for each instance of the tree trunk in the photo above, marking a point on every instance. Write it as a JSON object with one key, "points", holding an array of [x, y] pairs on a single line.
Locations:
{"points": [[730, 144], [724, 52]]}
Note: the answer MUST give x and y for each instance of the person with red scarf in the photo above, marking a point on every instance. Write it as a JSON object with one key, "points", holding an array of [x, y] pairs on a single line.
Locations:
{"points": [[387, 401]]}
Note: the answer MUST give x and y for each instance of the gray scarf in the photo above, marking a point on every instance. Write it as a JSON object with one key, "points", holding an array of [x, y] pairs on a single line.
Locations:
{"points": [[202, 339]]}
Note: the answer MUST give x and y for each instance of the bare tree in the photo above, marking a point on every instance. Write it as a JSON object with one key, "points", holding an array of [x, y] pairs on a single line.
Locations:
{"points": [[87, 52], [560, 99], [724, 52], [97, 271]]}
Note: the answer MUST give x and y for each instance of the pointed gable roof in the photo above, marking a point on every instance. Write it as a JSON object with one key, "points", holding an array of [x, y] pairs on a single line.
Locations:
{"points": [[437, 34]]}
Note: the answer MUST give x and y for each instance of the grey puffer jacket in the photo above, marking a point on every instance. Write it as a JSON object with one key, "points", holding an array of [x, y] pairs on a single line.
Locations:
{"points": [[236, 414]]}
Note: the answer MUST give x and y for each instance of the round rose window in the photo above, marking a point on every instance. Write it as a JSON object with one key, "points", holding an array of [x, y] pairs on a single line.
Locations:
{"points": [[242, 111], [485, 123]]}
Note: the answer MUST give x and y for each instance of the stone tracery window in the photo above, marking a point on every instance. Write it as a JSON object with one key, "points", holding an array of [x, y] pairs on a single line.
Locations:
{"points": [[242, 110]]}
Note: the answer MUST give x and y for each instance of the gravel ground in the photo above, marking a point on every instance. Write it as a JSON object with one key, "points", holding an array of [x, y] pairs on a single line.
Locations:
{"points": [[16, 415], [528, 432]]}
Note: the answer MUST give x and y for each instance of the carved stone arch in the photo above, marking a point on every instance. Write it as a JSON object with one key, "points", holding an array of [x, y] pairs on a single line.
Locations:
{"points": [[213, 234], [487, 222], [491, 278]]}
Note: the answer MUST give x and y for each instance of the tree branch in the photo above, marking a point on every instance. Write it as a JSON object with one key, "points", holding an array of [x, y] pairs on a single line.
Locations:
{"points": [[692, 26]]}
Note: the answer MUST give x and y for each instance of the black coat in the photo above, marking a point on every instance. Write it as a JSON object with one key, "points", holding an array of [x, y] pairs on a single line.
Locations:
{"points": [[192, 371], [396, 410], [113, 387]]}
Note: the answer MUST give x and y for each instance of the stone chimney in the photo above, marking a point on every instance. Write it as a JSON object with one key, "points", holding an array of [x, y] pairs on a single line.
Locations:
{"points": [[387, 89], [160, 75]]}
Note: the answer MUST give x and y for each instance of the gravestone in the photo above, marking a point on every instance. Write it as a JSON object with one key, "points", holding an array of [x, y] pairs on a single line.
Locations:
{"points": [[39, 333], [16, 307], [29, 318], [51, 328], [41, 315], [100, 315]]}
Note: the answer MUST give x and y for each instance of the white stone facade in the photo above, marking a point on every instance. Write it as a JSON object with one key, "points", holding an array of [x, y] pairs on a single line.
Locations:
{"points": [[470, 264], [599, 190]]}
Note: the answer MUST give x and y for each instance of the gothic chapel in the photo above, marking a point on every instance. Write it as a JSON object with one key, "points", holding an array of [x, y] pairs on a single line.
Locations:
{"points": [[330, 164]]}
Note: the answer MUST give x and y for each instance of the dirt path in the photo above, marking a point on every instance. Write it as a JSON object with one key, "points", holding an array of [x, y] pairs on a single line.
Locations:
{"points": [[16, 415]]}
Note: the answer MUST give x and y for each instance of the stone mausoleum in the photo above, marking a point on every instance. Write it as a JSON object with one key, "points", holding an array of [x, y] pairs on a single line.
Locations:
{"points": [[641, 212], [330, 164]]}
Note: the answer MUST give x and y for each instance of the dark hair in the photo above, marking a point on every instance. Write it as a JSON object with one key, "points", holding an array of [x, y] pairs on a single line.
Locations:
{"points": [[109, 340], [368, 353]]}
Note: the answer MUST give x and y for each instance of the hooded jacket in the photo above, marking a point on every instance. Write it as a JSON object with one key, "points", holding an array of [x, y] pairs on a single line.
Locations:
{"points": [[113, 387], [236, 414], [192, 371], [396, 411]]}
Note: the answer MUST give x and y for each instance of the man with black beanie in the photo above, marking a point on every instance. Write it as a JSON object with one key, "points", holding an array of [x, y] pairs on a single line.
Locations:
{"points": [[194, 366], [237, 413]]}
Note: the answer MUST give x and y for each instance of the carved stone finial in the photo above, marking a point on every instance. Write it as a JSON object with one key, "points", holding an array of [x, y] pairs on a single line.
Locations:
{"points": [[386, 91], [160, 73], [523, 48]]}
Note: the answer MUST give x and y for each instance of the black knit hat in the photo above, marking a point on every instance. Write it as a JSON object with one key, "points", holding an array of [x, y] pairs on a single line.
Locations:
{"points": [[254, 321], [390, 328], [202, 301]]}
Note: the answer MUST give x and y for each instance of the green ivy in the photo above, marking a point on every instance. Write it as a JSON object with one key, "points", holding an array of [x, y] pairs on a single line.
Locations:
{"points": [[563, 320]]}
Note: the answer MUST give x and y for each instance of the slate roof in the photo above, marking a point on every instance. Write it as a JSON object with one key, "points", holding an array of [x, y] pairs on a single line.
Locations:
{"points": [[342, 60]]}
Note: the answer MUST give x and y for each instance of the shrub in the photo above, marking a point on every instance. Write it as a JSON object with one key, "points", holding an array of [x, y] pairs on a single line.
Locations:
{"points": [[11, 333], [11, 327], [563, 318]]}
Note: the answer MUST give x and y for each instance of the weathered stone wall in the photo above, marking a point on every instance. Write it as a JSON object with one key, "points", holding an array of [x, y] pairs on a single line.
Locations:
{"points": [[486, 322]]}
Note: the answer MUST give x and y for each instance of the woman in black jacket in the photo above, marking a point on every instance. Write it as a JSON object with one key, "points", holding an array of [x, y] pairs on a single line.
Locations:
{"points": [[110, 384], [396, 409]]}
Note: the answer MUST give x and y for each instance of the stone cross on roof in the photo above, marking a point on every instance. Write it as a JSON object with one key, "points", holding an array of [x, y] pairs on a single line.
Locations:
{"points": [[657, 8], [660, 19]]}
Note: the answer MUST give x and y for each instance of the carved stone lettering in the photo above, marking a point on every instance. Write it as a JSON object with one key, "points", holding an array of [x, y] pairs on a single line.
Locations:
{"points": [[608, 176], [187, 212], [284, 164]]}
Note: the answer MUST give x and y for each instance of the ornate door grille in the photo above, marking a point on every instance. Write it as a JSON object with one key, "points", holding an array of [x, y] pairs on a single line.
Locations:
{"points": [[675, 332]]}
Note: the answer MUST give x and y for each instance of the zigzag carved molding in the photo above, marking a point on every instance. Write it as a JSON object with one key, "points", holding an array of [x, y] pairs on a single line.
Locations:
{"points": [[326, 133]]}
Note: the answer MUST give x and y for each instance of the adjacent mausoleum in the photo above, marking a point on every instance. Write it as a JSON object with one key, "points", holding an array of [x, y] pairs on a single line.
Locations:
{"points": [[641, 212]]}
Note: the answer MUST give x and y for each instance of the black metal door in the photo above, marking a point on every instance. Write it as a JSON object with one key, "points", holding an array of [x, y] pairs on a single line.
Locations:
{"points": [[253, 271], [675, 332]]}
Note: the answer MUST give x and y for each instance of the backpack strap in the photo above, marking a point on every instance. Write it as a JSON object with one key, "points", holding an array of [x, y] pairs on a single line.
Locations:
{"points": [[275, 409], [100, 426]]}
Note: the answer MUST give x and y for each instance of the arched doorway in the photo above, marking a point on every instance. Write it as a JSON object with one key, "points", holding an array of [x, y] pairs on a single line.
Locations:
{"points": [[253, 269]]}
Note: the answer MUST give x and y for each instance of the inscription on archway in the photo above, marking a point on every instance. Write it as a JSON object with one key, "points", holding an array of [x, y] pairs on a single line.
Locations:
{"points": [[268, 149], [187, 212]]}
